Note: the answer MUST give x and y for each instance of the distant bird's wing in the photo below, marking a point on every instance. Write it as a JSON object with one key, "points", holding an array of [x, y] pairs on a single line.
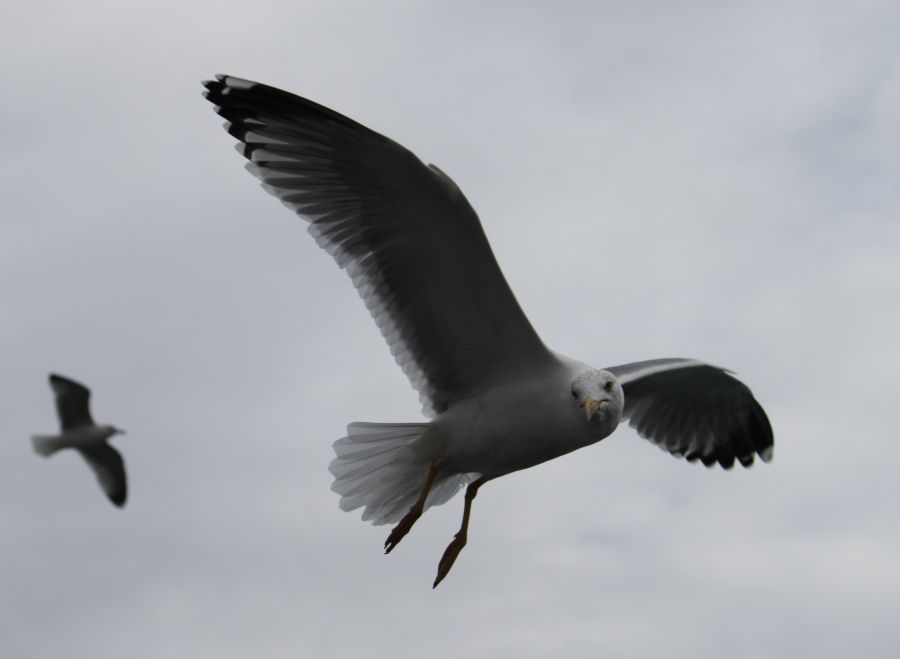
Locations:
{"points": [[695, 410], [72, 402], [109, 467], [404, 232]]}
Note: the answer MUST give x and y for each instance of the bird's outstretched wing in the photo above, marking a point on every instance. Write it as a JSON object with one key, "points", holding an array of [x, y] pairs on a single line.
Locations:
{"points": [[695, 410], [72, 402], [109, 468], [404, 232]]}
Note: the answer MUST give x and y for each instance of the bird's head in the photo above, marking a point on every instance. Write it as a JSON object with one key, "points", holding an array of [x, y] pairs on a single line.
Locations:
{"points": [[112, 430], [600, 400]]}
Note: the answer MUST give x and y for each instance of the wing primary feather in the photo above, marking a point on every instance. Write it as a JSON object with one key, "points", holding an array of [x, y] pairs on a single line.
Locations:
{"points": [[695, 410]]}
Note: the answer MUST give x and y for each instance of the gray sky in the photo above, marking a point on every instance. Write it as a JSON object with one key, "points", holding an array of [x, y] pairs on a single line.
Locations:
{"points": [[732, 166]]}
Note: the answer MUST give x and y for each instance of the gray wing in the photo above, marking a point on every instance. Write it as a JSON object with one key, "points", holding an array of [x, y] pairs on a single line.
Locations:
{"points": [[109, 468], [404, 232], [72, 402], [695, 410]]}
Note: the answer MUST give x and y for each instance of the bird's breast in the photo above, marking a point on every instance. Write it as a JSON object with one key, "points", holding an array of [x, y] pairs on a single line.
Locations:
{"points": [[85, 436], [508, 430]]}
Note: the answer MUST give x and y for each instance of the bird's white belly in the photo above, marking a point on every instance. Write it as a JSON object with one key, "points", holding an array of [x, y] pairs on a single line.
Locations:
{"points": [[506, 432], [84, 437]]}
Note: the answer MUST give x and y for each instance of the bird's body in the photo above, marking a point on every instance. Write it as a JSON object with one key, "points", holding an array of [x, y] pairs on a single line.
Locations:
{"points": [[91, 441], [499, 399], [513, 425], [84, 438]]}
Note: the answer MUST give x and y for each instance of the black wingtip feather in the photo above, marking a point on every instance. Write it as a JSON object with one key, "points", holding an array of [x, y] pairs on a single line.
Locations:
{"points": [[717, 408], [727, 460], [762, 437]]}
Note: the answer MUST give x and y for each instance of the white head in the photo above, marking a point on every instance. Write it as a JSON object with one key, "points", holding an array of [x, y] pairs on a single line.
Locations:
{"points": [[599, 397]]}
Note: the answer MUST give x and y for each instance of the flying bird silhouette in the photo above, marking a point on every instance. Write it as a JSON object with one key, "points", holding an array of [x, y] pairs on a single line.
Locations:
{"points": [[78, 431], [499, 400]]}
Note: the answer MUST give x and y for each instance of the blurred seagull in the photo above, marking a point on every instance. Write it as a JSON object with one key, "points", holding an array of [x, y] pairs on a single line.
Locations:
{"points": [[499, 400], [81, 433]]}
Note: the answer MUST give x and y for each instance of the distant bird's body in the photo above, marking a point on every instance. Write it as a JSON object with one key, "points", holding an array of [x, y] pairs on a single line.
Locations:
{"points": [[499, 399], [79, 438], [79, 432]]}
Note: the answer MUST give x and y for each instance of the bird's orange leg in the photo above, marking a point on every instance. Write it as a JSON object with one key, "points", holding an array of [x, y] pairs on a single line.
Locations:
{"points": [[459, 540], [415, 512]]}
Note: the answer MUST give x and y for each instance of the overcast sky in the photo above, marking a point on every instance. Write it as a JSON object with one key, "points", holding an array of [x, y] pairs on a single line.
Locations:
{"points": [[714, 180]]}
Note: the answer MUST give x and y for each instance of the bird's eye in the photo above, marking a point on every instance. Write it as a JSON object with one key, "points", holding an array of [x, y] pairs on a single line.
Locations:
{"points": [[608, 386], [574, 394]]}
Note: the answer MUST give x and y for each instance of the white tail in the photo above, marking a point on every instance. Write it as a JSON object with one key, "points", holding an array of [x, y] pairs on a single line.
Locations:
{"points": [[47, 445], [375, 467]]}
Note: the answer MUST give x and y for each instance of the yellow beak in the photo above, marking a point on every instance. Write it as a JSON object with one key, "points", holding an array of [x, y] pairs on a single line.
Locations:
{"points": [[590, 407]]}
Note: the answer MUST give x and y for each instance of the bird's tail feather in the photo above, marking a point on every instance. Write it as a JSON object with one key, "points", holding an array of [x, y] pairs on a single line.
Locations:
{"points": [[46, 445], [376, 467]]}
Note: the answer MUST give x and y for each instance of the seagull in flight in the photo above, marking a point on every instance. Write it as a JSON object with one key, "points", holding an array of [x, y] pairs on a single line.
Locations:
{"points": [[78, 431], [498, 399]]}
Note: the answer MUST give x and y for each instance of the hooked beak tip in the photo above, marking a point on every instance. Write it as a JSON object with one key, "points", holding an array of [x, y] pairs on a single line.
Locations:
{"points": [[591, 406]]}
